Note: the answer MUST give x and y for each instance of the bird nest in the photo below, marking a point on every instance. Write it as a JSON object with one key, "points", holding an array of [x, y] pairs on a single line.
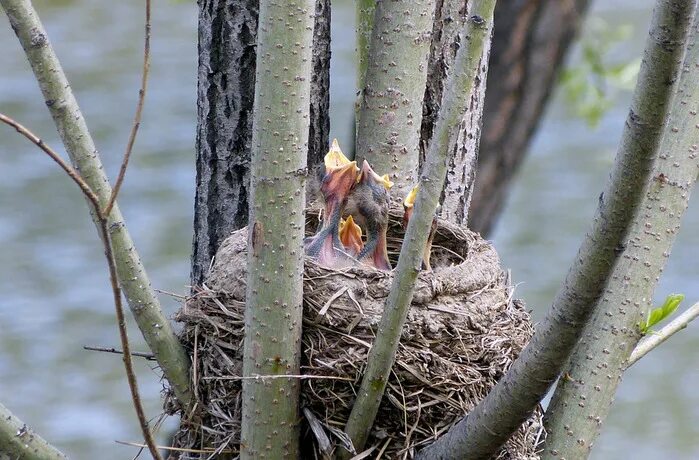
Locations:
{"points": [[463, 332]]}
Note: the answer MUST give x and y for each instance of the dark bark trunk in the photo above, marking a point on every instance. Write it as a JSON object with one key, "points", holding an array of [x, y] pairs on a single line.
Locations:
{"points": [[530, 42], [227, 53]]}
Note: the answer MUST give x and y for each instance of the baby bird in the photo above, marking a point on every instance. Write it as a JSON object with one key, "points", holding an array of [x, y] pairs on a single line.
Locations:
{"points": [[351, 236], [408, 205], [339, 179], [368, 205]]}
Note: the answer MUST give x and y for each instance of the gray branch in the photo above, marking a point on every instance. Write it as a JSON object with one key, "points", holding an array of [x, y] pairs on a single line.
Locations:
{"points": [[508, 405], [390, 114], [584, 397]]}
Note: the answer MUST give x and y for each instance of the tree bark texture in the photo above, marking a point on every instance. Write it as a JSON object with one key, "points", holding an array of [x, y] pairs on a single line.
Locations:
{"points": [[390, 114], [17, 440], [467, 67], [450, 17], [583, 398], [530, 42], [225, 97], [511, 401], [72, 129], [274, 296]]}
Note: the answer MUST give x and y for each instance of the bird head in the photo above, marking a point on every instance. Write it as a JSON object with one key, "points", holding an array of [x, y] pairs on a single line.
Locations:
{"points": [[340, 175]]}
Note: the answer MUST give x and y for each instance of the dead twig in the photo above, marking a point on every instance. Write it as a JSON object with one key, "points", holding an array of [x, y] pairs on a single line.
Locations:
{"points": [[148, 356], [137, 116], [116, 291]]}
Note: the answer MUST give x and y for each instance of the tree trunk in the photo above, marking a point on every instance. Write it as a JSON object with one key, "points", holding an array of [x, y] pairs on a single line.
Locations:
{"points": [[465, 133], [390, 114], [225, 97], [530, 42], [583, 399]]}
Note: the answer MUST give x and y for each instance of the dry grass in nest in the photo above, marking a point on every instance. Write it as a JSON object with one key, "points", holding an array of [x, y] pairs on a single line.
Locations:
{"points": [[463, 332]]}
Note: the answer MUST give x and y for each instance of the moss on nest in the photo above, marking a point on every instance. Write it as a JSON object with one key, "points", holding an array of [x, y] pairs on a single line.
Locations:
{"points": [[463, 332]]}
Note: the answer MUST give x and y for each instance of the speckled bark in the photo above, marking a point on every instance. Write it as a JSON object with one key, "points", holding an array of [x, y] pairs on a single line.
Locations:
{"points": [[491, 423], [365, 24], [225, 97], [390, 114], [464, 77], [530, 41], [275, 245], [72, 128], [450, 17], [17, 440], [584, 397]]}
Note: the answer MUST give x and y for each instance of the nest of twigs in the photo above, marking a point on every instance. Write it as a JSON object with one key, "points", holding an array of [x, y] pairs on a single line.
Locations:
{"points": [[463, 332]]}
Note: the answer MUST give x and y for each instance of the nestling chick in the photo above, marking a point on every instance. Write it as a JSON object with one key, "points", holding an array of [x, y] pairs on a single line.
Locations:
{"points": [[408, 205], [368, 204], [339, 179]]}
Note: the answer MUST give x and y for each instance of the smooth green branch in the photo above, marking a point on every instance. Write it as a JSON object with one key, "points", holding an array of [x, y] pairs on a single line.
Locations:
{"points": [[144, 304], [652, 341], [17, 440], [490, 424], [383, 351], [274, 296], [598, 361]]}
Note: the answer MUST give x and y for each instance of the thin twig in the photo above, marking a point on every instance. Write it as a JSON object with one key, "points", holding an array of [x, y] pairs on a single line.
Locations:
{"points": [[116, 291], [148, 356], [87, 191], [137, 117], [676, 325]]}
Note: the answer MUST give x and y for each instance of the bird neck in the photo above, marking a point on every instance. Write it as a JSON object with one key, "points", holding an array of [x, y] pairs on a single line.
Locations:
{"points": [[331, 222]]}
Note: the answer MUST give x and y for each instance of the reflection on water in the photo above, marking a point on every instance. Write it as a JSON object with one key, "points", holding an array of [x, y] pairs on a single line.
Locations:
{"points": [[54, 295]]}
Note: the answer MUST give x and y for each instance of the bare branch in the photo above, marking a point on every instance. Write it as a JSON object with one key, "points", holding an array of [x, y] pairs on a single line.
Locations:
{"points": [[148, 356], [55, 157], [111, 262], [72, 128], [675, 326], [137, 117]]}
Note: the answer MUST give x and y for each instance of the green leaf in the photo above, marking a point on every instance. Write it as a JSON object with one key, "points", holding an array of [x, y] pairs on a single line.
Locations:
{"points": [[658, 314]]}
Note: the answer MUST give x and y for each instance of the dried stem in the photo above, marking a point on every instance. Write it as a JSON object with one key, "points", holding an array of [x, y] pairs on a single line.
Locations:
{"points": [[64, 109], [111, 262], [148, 356], [137, 117]]}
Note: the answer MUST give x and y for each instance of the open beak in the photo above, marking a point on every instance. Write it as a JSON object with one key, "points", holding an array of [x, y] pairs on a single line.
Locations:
{"points": [[340, 175], [408, 205], [351, 236], [367, 175]]}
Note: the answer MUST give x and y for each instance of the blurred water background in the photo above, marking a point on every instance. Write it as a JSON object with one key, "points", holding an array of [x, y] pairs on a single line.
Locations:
{"points": [[54, 295]]}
